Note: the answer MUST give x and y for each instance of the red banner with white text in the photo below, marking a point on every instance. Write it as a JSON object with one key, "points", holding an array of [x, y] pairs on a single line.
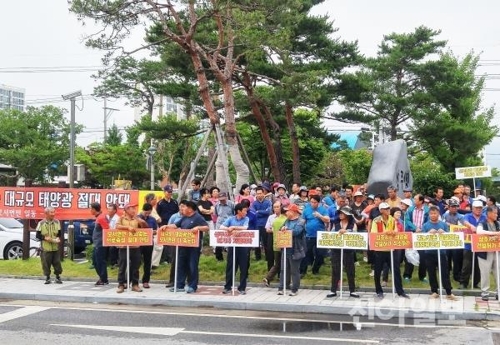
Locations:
{"points": [[30, 203]]}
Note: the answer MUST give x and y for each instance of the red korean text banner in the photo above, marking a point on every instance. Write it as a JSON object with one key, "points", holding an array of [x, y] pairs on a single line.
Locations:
{"points": [[283, 239], [124, 238], [70, 204], [485, 243], [178, 238], [399, 240]]}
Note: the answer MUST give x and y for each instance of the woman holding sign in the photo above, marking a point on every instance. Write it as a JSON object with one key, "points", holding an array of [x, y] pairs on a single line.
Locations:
{"points": [[344, 223]]}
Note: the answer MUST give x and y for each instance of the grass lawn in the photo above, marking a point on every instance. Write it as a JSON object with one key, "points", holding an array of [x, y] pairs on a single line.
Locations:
{"points": [[211, 271]]}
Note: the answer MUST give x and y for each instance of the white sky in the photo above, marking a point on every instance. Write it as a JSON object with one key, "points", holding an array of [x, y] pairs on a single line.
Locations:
{"points": [[39, 33]]}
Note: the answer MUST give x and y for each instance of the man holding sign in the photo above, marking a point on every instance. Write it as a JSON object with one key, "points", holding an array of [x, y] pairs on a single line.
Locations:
{"points": [[436, 226], [488, 260], [188, 257], [242, 254], [386, 224], [129, 222]]}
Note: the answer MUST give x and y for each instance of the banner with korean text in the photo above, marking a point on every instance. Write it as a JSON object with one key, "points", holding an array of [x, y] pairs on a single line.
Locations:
{"points": [[178, 237], [123, 238], [240, 238], [70, 204], [426, 241], [485, 243], [283, 239], [395, 241], [462, 228], [347, 240]]}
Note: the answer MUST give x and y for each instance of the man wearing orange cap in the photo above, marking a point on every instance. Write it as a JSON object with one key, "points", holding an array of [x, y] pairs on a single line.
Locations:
{"points": [[129, 221]]}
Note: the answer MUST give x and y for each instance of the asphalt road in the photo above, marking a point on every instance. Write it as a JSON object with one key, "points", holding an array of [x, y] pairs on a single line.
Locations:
{"points": [[48, 323]]}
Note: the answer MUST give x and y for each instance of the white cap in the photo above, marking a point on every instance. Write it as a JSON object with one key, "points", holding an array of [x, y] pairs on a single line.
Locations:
{"points": [[358, 193], [477, 203], [407, 202], [481, 198], [383, 205]]}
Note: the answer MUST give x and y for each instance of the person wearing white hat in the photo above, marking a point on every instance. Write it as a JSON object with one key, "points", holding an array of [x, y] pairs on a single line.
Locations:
{"points": [[471, 220], [385, 223]]}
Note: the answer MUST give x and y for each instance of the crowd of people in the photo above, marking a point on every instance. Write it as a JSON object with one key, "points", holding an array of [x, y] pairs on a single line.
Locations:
{"points": [[270, 208]]}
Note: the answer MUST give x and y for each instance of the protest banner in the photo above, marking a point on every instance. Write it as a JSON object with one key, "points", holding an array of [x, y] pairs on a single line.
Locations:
{"points": [[178, 238], [485, 243], [348, 240], [70, 204], [426, 241], [386, 242], [283, 239], [240, 238], [124, 238], [488, 243], [462, 228], [390, 242]]}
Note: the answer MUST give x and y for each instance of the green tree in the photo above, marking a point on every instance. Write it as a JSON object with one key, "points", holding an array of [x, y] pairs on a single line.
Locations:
{"points": [[106, 163], [356, 165], [114, 137], [456, 127], [391, 89], [428, 174], [35, 142]]}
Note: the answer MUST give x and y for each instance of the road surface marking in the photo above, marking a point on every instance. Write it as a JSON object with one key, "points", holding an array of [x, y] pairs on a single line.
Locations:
{"points": [[247, 335], [174, 331], [22, 312], [142, 330]]}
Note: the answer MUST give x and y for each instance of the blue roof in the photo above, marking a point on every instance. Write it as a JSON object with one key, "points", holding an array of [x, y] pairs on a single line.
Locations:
{"points": [[351, 138]]}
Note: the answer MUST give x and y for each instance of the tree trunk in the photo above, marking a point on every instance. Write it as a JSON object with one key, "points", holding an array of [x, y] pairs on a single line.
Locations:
{"points": [[242, 172], [276, 130], [295, 144], [222, 177], [209, 179], [273, 161]]}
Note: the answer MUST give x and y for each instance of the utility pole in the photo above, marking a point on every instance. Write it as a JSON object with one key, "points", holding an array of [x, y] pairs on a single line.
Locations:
{"points": [[107, 114], [71, 230]]}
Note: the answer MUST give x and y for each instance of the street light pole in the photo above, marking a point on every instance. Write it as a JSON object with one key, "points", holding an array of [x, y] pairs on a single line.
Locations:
{"points": [[151, 152], [71, 230]]}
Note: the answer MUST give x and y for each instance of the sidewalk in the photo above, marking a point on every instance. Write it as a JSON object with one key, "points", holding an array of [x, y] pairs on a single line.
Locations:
{"points": [[258, 299]]}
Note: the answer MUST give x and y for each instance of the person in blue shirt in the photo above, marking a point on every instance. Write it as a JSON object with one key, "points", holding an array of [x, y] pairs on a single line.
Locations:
{"points": [[188, 257], [415, 217], [436, 226], [330, 200], [262, 208], [472, 220], [147, 251], [232, 225], [455, 256], [317, 219]]}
